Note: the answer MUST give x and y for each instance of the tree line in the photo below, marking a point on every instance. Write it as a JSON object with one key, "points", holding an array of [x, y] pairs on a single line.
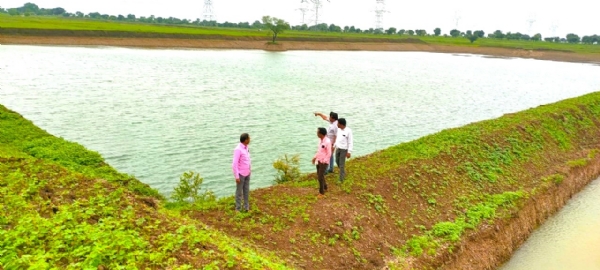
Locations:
{"points": [[29, 9]]}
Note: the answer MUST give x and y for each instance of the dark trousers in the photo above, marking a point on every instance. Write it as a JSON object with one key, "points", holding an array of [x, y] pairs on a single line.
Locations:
{"points": [[242, 192], [340, 159], [321, 168]]}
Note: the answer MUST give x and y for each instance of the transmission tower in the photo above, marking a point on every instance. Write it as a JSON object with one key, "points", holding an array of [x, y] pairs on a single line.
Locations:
{"points": [[531, 20], [457, 18], [553, 28], [380, 10], [317, 5], [304, 9], [208, 13]]}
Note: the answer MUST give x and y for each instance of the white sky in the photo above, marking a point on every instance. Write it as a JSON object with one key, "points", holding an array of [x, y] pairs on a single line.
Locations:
{"points": [[575, 16]]}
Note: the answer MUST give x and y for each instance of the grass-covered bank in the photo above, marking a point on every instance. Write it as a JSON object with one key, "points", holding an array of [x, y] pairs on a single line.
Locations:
{"points": [[62, 207], [418, 204], [424, 204]]}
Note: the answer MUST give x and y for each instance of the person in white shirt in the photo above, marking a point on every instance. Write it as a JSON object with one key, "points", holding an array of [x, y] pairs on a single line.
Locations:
{"points": [[331, 131], [343, 144]]}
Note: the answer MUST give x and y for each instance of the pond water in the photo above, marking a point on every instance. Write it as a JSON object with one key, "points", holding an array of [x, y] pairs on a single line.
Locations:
{"points": [[157, 113]]}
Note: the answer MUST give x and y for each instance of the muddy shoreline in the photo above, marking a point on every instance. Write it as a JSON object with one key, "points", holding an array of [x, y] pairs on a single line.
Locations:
{"points": [[289, 45]]}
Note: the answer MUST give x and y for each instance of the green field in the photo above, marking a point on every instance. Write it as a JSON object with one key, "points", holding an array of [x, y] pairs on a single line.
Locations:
{"points": [[76, 24]]}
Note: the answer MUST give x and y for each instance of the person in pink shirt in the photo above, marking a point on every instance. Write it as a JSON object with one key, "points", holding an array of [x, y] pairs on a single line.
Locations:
{"points": [[321, 159], [241, 172]]}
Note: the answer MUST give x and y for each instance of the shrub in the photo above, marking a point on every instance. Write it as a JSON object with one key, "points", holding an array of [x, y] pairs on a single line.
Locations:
{"points": [[288, 169], [188, 190]]}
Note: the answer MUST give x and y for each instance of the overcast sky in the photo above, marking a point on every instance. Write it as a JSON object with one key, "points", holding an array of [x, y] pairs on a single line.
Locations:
{"points": [[575, 16]]}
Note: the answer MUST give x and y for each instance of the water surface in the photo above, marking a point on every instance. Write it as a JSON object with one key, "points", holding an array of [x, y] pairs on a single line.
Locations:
{"points": [[157, 113], [568, 240]]}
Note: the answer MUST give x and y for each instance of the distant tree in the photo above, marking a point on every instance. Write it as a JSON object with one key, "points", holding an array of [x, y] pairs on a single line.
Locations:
{"points": [[587, 40], [79, 14], [572, 38], [525, 37], [378, 31], [358, 30], [304, 27], [410, 32], [131, 17], [513, 36], [472, 37], [401, 32], [58, 11], [2, 10], [437, 31], [498, 34], [391, 31], [454, 33], [121, 17], [549, 39], [94, 15], [479, 33], [334, 28], [469, 33], [29, 7], [277, 26], [421, 32], [257, 24], [352, 29], [537, 37], [346, 29]]}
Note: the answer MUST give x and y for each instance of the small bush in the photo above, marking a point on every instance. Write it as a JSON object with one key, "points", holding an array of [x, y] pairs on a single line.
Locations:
{"points": [[288, 169], [189, 188]]}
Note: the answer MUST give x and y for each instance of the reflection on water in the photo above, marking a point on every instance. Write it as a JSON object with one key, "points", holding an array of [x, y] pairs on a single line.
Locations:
{"points": [[158, 113]]}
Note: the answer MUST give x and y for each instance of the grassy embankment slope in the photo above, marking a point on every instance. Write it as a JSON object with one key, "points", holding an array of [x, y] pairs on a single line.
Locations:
{"points": [[62, 206], [463, 198], [57, 26]]}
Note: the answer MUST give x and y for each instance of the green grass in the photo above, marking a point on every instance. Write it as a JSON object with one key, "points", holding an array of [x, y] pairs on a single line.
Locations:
{"points": [[61, 23], [62, 207], [22, 136]]}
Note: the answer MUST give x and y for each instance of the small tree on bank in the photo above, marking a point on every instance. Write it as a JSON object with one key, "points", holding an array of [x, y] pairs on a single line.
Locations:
{"points": [[472, 38], [288, 169], [276, 26]]}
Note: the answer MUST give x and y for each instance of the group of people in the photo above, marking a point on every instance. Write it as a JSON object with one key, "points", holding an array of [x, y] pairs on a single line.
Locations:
{"points": [[336, 141]]}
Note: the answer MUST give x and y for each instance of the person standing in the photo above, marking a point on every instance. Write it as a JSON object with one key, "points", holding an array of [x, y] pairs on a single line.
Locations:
{"points": [[241, 171], [321, 159], [331, 134], [343, 144]]}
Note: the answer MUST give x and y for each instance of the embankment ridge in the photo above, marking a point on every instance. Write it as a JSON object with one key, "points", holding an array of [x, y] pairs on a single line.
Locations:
{"points": [[463, 198], [191, 41]]}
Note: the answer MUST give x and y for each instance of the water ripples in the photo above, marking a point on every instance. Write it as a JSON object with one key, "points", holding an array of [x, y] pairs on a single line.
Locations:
{"points": [[157, 113]]}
